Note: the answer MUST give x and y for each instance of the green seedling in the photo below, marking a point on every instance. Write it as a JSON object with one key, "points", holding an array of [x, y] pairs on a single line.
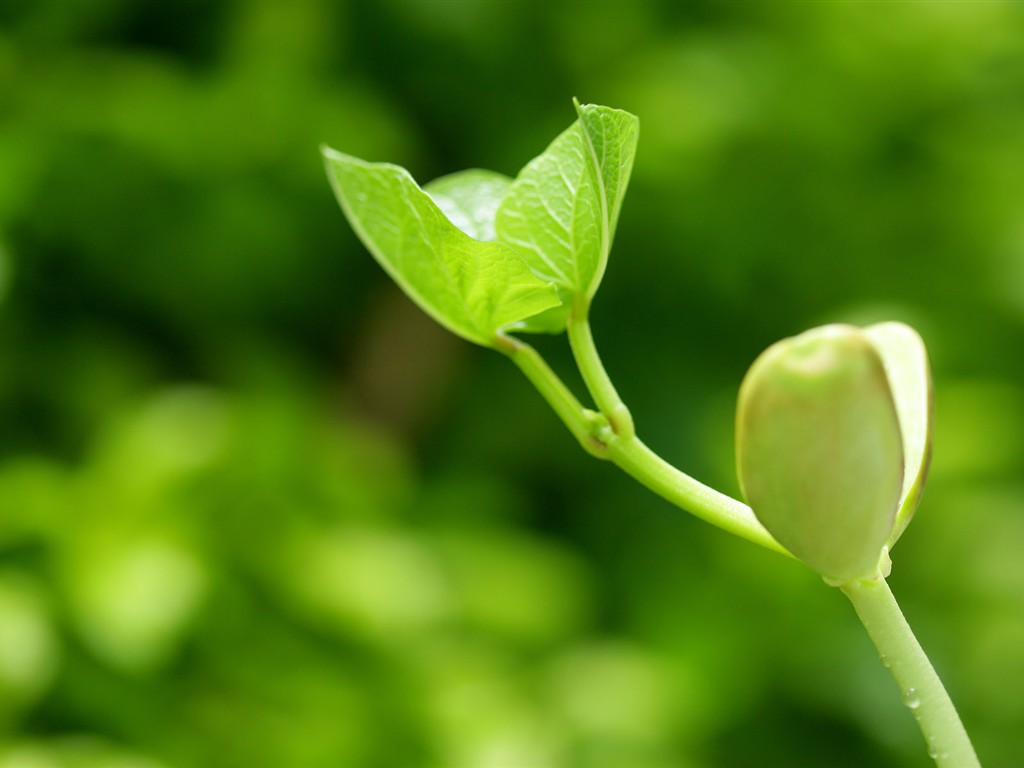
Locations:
{"points": [[833, 426]]}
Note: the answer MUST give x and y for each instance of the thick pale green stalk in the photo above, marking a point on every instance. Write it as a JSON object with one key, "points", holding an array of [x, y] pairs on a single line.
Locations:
{"points": [[923, 692]]}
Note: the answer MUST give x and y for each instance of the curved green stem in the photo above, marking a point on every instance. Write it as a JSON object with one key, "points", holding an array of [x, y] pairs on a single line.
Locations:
{"points": [[923, 692], [584, 424], [599, 384], [652, 471], [597, 435]]}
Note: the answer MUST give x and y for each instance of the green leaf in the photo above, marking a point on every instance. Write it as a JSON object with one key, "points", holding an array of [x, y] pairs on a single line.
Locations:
{"points": [[475, 289], [561, 210], [612, 137], [819, 450], [552, 320], [906, 365], [470, 200]]}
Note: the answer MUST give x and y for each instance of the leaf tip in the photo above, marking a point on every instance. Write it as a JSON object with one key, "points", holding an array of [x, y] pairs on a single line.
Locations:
{"points": [[329, 153]]}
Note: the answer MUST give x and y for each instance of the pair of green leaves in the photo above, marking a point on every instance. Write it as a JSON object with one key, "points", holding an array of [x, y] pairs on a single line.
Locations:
{"points": [[484, 254], [834, 441]]}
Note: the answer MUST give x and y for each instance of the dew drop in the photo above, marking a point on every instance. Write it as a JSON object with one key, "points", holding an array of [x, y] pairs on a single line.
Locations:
{"points": [[911, 699], [884, 660]]}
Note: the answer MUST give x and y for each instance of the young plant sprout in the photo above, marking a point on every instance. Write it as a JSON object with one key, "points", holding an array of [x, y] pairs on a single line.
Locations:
{"points": [[833, 426]]}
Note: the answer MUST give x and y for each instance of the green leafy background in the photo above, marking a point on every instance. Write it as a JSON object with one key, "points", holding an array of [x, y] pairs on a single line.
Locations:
{"points": [[258, 511]]}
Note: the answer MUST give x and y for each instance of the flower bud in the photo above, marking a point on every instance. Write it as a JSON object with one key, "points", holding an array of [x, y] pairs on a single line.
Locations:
{"points": [[820, 451]]}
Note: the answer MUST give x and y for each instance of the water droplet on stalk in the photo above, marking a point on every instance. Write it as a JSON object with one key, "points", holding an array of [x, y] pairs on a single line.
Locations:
{"points": [[911, 699]]}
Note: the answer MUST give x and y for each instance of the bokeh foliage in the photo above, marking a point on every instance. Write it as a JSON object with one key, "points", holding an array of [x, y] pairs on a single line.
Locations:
{"points": [[255, 510]]}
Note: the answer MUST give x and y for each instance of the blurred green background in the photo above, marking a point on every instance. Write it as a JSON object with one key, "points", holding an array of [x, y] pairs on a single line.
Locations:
{"points": [[257, 511]]}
